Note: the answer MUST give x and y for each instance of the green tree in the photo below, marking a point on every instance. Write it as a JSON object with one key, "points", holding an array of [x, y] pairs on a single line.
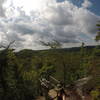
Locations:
{"points": [[83, 60], [93, 65], [98, 33], [9, 74]]}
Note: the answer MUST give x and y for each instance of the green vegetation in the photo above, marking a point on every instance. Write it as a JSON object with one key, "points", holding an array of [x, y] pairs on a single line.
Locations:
{"points": [[98, 33], [20, 71]]}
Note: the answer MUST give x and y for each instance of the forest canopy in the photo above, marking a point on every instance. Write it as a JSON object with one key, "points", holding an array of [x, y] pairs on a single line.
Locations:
{"points": [[20, 71]]}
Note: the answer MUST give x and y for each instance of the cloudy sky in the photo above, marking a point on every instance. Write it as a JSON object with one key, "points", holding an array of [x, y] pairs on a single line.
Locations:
{"points": [[28, 22]]}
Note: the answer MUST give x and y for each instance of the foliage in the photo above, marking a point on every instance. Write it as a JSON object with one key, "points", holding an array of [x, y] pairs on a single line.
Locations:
{"points": [[95, 94], [98, 33], [20, 71]]}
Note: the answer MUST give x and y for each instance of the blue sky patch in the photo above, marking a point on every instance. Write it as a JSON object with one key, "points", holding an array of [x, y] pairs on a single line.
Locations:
{"points": [[95, 8]]}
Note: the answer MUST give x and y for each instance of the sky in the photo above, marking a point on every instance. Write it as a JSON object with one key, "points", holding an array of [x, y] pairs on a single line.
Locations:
{"points": [[28, 22]]}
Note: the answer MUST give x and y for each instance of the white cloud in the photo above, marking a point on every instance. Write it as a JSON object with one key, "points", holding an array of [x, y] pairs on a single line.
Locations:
{"points": [[63, 21], [86, 4], [2, 11]]}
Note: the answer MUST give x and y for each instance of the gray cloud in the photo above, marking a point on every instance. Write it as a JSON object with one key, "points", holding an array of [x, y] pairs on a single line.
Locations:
{"points": [[86, 21], [62, 21], [22, 28], [59, 15], [2, 11]]}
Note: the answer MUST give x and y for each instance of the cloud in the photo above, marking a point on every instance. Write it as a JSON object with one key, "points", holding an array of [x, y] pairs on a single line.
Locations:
{"points": [[86, 4], [63, 21], [58, 15], [22, 28], [86, 21], [2, 11]]}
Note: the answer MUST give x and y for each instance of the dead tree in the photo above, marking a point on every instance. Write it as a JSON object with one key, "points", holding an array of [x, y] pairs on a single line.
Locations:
{"points": [[73, 91]]}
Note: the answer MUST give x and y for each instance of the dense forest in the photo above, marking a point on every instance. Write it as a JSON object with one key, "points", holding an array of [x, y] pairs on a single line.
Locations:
{"points": [[20, 71]]}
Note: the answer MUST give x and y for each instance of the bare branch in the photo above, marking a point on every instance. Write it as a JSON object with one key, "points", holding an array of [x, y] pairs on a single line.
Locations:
{"points": [[7, 47], [10, 44], [2, 46], [53, 45]]}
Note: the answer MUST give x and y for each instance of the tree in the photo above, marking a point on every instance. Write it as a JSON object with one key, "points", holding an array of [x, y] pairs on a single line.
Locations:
{"points": [[53, 45], [98, 33], [83, 60], [93, 65], [10, 75], [3, 70]]}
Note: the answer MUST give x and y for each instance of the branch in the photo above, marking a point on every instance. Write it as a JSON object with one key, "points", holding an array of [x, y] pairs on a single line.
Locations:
{"points": [[2, 46], [7, 47], [10, 44]]}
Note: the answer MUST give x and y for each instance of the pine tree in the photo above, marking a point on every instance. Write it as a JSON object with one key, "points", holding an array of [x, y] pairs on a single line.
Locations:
{"points": [[98, 33], [83, 68], [10, 76]]}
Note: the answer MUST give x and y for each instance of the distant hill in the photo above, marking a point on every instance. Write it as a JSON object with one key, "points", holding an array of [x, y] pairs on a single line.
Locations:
{"points": [[29, 52]]}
